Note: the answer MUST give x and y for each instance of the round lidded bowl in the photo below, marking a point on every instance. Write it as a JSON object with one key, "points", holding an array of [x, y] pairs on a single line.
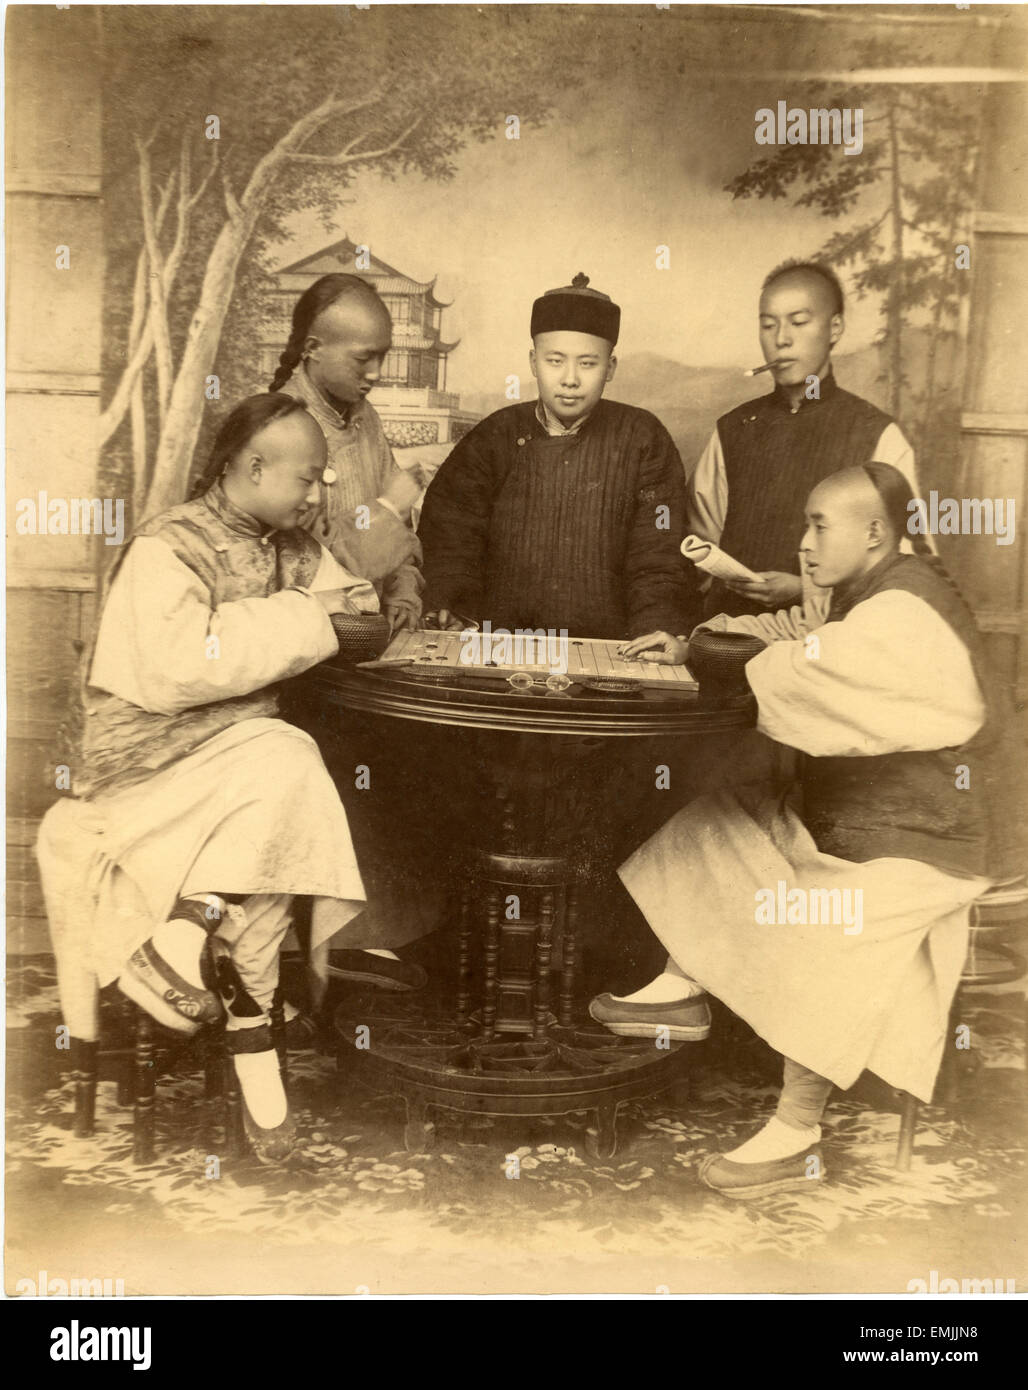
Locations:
{"points": [[718, 660], [362, 636]]}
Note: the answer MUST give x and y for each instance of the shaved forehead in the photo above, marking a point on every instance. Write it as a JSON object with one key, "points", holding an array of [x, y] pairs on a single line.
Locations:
{"points": [[297, 435], [354, 318], [849, 492], [812, 286]]}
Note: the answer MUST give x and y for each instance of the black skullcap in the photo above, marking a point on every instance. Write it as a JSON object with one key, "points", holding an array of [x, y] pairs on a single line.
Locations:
{"points": [[577, 309]]}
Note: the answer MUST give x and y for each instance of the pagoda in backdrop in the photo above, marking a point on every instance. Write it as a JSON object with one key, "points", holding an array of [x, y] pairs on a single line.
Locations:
{"points": [[411, 397]]}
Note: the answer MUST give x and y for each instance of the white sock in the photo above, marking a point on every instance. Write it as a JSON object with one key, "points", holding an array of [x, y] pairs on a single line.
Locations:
{"points": [[261, 1086], [775, 1140], [375, 951], [181, 945], [665, 989]]}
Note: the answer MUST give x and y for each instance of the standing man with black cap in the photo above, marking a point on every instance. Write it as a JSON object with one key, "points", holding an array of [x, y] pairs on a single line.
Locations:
{"points": [[565, 512]]}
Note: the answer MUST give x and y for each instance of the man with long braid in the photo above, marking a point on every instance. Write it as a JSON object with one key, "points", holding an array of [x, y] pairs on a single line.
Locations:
{"points": [[341, 333], [911, 808]]}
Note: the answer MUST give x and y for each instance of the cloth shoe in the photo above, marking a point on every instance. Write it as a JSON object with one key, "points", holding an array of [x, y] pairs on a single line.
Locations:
{"points": [[686, 1020], [301, 1033], [270, 1146], [762, 1179], [381, 971]]}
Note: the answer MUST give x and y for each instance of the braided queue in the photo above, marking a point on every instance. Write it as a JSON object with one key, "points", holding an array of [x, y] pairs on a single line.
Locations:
{"points": [[289, 359], [895, 491], [312, 303]]}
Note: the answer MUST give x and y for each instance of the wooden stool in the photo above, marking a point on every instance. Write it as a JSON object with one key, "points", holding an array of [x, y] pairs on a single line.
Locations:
{"points": [[989, 962], [517, 952], [134, 1067]]}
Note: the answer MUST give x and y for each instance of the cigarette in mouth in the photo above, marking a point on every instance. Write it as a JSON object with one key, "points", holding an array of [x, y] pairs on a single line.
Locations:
{"points": [[756, 371]]}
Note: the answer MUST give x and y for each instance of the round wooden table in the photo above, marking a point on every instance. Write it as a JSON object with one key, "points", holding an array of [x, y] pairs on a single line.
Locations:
{"points": [[509, 1040]]}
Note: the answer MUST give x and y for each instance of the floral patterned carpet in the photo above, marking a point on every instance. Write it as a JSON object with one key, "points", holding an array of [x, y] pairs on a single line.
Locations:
{"points": [[350, 1182]]}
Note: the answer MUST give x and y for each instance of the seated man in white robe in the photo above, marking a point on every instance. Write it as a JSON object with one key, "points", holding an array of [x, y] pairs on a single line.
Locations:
{"points": [[197, 815], [839, 937]]}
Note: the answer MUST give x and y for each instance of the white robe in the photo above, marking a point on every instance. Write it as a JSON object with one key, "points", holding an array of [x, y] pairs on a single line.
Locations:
{"points": [[250, 811], [890, 677]]}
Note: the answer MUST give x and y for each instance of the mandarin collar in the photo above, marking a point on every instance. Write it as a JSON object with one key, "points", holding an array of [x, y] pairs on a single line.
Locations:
{"points": [[234, 517], [533, 426], [548, 420], [321, 405], [826, 389], [846, 596]]}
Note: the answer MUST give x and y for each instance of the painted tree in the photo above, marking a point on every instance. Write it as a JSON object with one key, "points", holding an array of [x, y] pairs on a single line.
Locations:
{"points": [[912, 187], [221, 121]]}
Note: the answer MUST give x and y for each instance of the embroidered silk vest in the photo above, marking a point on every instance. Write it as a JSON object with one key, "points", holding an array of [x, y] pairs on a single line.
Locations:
{"points": [[224, 546]]}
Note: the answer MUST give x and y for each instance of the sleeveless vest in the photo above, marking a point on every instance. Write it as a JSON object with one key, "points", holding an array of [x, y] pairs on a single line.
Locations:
{"points": [[909, 805], [225, 547], [773, 458]]}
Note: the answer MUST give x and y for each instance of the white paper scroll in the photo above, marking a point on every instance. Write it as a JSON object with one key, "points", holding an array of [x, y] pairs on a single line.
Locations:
{"points": [[710, 558]]}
